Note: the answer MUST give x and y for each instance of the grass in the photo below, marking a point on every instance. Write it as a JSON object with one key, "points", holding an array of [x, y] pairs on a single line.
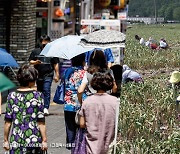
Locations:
{"points": [[141, 57], [148, 121]]}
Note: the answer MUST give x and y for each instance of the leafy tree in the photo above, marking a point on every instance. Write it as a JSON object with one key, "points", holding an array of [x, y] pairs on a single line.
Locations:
{"points": [[168, 14], [176, 13], [164, 8]]}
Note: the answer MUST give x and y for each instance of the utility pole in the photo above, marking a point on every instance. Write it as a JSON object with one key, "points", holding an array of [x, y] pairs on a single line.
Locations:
{"points": [[155, 13], [77, 16]]}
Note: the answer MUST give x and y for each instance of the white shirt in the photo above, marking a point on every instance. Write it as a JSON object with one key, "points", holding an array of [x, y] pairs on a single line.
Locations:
{"points": [[163, 44], [142, 42]]}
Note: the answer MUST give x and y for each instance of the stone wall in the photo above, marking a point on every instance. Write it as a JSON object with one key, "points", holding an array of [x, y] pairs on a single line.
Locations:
{"points": [[2, 24], [19, 35], [23, 27]]}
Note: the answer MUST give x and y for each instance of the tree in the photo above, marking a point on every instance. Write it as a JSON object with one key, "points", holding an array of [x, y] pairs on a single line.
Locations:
{"points": [[176, 14], [168, 14], [165, 8]]}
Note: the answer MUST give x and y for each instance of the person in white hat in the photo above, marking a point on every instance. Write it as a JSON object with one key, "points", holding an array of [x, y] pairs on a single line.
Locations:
{"points": [[175, 77], [175, 81]]}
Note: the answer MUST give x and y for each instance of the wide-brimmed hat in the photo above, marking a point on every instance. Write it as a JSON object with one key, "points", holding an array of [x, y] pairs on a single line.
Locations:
{"points": [[175, 77]]}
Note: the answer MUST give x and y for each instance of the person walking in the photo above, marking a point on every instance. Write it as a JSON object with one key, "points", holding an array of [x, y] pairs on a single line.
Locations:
{"points": [[98, 63], [24, 111], [74, 76], [46, 67], [107, 53], [98, 113]]}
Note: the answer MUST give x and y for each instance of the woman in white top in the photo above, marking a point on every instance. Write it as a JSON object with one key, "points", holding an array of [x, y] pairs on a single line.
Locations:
{"points": [[98, 63]]}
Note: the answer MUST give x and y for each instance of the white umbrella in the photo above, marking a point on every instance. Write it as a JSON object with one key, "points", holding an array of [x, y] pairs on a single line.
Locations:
{"points": [[65, 47], [104, 39]]}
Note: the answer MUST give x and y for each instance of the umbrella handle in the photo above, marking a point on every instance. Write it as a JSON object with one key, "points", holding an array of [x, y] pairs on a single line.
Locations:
{"points": [[4, 68], [13, 71]]}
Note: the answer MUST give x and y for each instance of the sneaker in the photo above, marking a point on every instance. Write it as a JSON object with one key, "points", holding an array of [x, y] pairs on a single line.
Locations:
{"points": [[46, 112]]}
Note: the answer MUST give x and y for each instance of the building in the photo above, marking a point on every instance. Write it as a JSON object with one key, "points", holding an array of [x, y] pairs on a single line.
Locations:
{"points": [[146, 20], [22, 22]]}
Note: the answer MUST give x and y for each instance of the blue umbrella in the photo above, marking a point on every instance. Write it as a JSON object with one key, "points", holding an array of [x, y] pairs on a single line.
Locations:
{"points": [[7, 59]]}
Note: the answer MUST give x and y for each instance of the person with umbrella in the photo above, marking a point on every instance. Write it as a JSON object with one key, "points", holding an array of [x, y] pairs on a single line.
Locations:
{"points": [[46, 67], [6, 61], [5, 84]]}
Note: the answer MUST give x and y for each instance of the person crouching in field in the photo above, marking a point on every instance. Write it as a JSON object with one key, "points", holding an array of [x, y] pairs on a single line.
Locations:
{"points": [[97, 114], [24, 109], [175, 81], [129, 75]]}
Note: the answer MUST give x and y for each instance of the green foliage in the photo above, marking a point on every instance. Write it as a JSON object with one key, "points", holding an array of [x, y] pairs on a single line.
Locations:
{"points": [[146, 8], [147, 121], [141, 57], [176, 13]]}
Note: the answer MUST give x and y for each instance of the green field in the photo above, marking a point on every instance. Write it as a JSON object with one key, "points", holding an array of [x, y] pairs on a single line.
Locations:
{"points": [[148, 122]]}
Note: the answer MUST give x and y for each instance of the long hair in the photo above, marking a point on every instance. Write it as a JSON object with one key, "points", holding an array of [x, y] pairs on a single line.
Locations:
{"points": [[97, 61]]}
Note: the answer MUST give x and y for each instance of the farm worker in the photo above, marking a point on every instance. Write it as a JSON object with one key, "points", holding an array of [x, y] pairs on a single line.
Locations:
{"points": [[130, 75], [175, 81], [151, 43], [163, 44], [140, 39]]}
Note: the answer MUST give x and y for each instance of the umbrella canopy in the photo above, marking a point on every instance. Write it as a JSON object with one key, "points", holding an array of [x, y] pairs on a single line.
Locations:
{"points": [[104, 39], [7, 59], [65, 47], [5, 83]]}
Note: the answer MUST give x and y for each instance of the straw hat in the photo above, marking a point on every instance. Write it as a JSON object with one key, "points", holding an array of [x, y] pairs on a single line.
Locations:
{"points": [[175, 77]]}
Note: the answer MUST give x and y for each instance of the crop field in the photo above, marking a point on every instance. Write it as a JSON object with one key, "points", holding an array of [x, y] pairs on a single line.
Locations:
{"points": [[148, 121]]}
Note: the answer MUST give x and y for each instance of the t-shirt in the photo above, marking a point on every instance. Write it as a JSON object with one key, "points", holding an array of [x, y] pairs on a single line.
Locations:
{"points": [[87, 80], [99, 111], [107, 52], [46, 69], [162, 44], [130, 74], [142, 42]]}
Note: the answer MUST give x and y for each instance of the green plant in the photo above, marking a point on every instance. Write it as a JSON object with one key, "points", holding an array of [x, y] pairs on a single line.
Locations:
{"points": [[147, 120]]}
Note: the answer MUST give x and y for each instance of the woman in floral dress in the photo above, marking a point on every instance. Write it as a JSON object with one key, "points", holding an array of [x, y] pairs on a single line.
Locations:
{"points": [[24, 110], [73, 78]]}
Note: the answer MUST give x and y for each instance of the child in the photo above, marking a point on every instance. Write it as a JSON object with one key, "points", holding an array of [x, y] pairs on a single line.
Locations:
{"points": [[98, 115]]}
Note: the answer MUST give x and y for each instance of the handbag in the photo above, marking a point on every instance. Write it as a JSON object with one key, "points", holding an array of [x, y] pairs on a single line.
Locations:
{"points": [[80, 142], [77, 117], [59, 94], [60, 90]]}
